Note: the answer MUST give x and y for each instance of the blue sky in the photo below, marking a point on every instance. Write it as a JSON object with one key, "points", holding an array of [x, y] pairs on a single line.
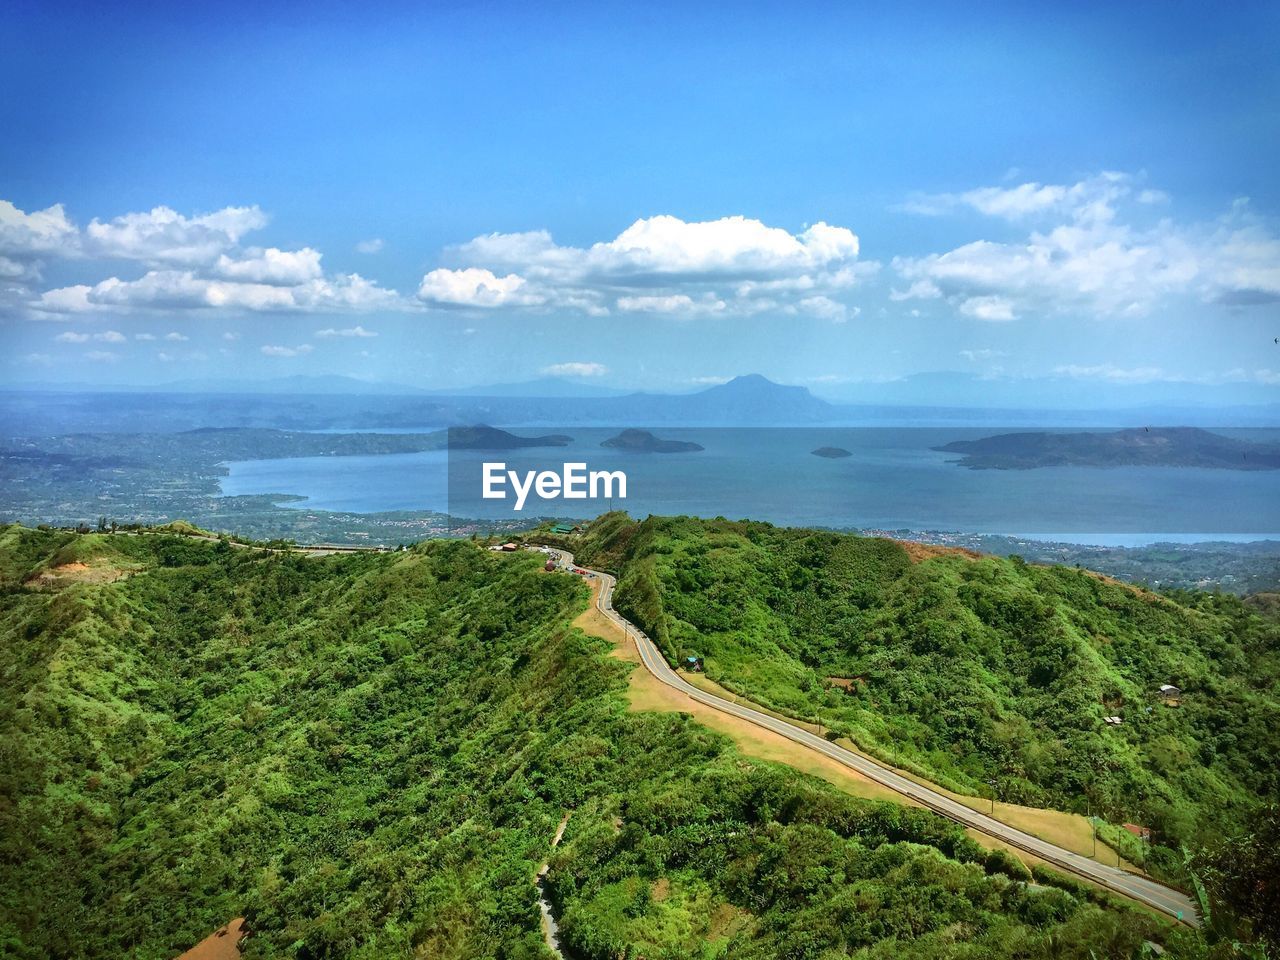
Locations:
{"points": [[650, 196]]}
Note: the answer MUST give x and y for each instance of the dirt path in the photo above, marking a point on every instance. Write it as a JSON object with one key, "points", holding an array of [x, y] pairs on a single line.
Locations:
{"points": [[550, 929], [222, 944]]}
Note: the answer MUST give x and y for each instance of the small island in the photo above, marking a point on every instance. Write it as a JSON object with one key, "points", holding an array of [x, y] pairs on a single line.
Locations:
{"points": [[642, 441], [831, 453], [483, 437], [1138, 447]]}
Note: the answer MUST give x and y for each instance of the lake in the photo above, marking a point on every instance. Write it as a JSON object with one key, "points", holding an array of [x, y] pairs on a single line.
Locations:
{"points": [[892, 481]]}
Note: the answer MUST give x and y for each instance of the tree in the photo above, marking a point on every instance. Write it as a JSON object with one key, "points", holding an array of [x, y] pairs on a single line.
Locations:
{"points": [[1242, 874]]}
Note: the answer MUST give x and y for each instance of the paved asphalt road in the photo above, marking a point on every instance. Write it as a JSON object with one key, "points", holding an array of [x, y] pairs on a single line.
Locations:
{"points": [[1172, 902], [1162, 898]]}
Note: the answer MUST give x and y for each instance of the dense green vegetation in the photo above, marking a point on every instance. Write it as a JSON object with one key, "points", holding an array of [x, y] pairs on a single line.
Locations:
{"points": [[369, 755], [972, 670]]}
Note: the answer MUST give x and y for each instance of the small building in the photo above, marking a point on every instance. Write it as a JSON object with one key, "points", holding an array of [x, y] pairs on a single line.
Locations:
{"points": [[693, 664], [509, 547], [1170, 695], [563, 528], [1113, 721], [549, 566]]}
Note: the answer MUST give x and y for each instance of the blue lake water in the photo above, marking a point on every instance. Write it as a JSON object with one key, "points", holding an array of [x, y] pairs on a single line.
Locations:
{"points": [[894, 480]]}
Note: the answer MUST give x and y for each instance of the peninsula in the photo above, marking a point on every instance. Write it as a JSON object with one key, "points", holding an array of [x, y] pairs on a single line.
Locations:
{"points": [[1138, 447]]}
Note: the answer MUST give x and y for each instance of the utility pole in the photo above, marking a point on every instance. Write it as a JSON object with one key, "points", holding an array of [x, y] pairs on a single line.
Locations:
{"points": [[1093, 822], [992, 798]]}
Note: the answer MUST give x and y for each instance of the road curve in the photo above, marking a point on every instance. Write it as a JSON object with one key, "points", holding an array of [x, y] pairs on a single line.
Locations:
{"points": [[1165, 899]]}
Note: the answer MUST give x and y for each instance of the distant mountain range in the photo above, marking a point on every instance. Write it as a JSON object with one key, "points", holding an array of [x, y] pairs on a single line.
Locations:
{"points": [[331, 402], [297, 385], [336, 384], [551, 387], [953, 389], [944, 389]]}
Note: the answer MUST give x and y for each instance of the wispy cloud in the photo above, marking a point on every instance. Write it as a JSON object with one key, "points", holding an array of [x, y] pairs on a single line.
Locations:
{"points": [[106, 336], [278, 351], [1095, 256], [1086, 199], [575, 368], [1112, 373], [356, 331]]}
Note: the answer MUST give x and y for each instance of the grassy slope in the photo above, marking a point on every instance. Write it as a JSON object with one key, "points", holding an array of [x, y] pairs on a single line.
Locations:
{"points": [[972, 669], [369, 755]]}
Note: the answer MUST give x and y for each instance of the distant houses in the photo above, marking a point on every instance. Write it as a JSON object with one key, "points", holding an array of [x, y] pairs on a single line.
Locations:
{"points": [[1170, 696]]}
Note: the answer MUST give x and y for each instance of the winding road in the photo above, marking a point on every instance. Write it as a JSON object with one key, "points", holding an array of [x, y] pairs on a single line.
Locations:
{"points": [[1164, 899], [1172, 902]]}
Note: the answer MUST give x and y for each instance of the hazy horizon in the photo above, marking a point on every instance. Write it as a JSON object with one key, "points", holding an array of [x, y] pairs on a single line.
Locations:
{"points": [[443, 199]]}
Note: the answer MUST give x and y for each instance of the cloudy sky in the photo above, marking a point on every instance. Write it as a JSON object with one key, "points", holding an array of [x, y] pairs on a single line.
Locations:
{"points": [[640, 195]]}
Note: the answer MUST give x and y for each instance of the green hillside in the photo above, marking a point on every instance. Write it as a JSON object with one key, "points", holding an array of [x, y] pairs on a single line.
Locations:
{"points": [[971, 670], [368, 756]]}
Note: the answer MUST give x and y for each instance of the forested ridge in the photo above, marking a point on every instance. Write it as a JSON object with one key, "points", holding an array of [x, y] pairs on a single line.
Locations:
{"points": [[368, 757], [984, 674]]}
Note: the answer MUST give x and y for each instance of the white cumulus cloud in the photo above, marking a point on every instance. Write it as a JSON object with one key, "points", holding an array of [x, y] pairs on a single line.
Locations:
{"points": [[475, 287], [187, 289], [281, 267], [277, 351], [26, 237], [992, 308], [190, 262], [164, 236], [658, 265]]}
